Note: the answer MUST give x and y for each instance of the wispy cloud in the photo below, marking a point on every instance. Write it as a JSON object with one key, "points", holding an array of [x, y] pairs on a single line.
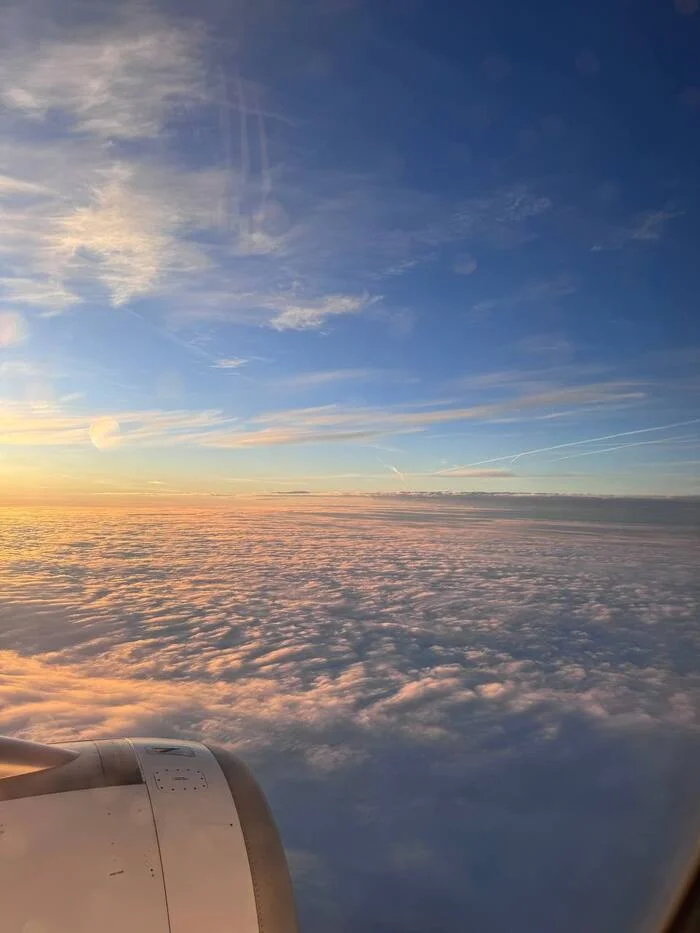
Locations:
{"points": [[81, 206], [10, 186], [118, 227], [335, 423], [233, 362], [293, 315], [475, 472], [132, 236], [341, 478], [138, 71], [18, 368], [105, 206], [47, 424], [21, 423], [536, 292], [129, 221], [649, 227], [123, 228], [530, 379], [386, 231], [329, 376], [273, 437], [49, 295]]}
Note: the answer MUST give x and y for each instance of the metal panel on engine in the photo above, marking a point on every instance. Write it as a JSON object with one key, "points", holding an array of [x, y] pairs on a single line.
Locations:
{"points": [[81, 861], [203, 852]]}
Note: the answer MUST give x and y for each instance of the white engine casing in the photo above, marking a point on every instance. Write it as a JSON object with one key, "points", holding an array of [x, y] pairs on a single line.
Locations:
{"points": [[137, 836]]}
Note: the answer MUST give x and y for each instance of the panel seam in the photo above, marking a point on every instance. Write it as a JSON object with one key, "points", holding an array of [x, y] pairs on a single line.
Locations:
{"points": [[249, 851], [155, 829]]}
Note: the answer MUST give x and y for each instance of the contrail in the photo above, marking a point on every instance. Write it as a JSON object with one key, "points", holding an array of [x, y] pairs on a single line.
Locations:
{"points": [[266, 180], [393, 470], [588, 440], [605, 450], [193, 348], [225, 126], [245, 151]]}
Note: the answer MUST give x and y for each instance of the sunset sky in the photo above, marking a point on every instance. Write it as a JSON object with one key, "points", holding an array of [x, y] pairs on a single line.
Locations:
{"points": [[342, 246]]}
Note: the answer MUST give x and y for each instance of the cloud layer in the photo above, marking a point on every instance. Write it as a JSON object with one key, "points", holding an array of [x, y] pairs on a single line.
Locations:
{"points": [[443, 688]]}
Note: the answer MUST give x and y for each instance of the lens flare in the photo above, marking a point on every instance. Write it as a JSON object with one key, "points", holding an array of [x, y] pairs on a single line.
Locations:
{"points": [[104, 433], [12, 328]]}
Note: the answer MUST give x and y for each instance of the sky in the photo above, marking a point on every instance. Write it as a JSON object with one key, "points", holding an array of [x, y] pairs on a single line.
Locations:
{"points": [[342, 246]]}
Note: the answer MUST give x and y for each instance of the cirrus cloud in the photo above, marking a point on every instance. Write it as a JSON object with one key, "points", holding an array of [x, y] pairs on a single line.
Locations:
{"points": [[140, 70]]}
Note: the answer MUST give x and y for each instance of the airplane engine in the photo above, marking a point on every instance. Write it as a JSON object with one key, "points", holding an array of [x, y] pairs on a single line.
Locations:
{"points": [[137, 836]]}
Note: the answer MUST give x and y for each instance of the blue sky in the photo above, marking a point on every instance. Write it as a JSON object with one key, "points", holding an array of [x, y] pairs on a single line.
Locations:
{"points": [[347, 246]]}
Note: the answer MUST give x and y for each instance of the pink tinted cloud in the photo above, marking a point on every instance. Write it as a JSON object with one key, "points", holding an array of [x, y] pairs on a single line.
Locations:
{"points": [[394, 616]]}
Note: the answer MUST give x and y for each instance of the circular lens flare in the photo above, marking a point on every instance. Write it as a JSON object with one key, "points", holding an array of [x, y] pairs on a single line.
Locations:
{"points": [[104, 433]]}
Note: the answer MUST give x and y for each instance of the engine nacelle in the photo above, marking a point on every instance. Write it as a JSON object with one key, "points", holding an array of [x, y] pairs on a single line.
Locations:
{"points": [[137, 836]]}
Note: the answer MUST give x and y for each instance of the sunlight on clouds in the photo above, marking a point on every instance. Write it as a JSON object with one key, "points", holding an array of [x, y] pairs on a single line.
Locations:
{"points": [[52, 297], [10, 186], [227, 208], [58, 425], [534, 668], [82, 212], [330, 376], [402, 419], [416, 637], [282, 240], [265, 437], [127, 220], [230, 363], [473, 472], [130, 227], [46, 424], [137, 73], [303, 316]]}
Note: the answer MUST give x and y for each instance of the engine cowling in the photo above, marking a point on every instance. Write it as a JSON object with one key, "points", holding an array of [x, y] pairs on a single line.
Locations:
{"points": [[138, 835]]}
